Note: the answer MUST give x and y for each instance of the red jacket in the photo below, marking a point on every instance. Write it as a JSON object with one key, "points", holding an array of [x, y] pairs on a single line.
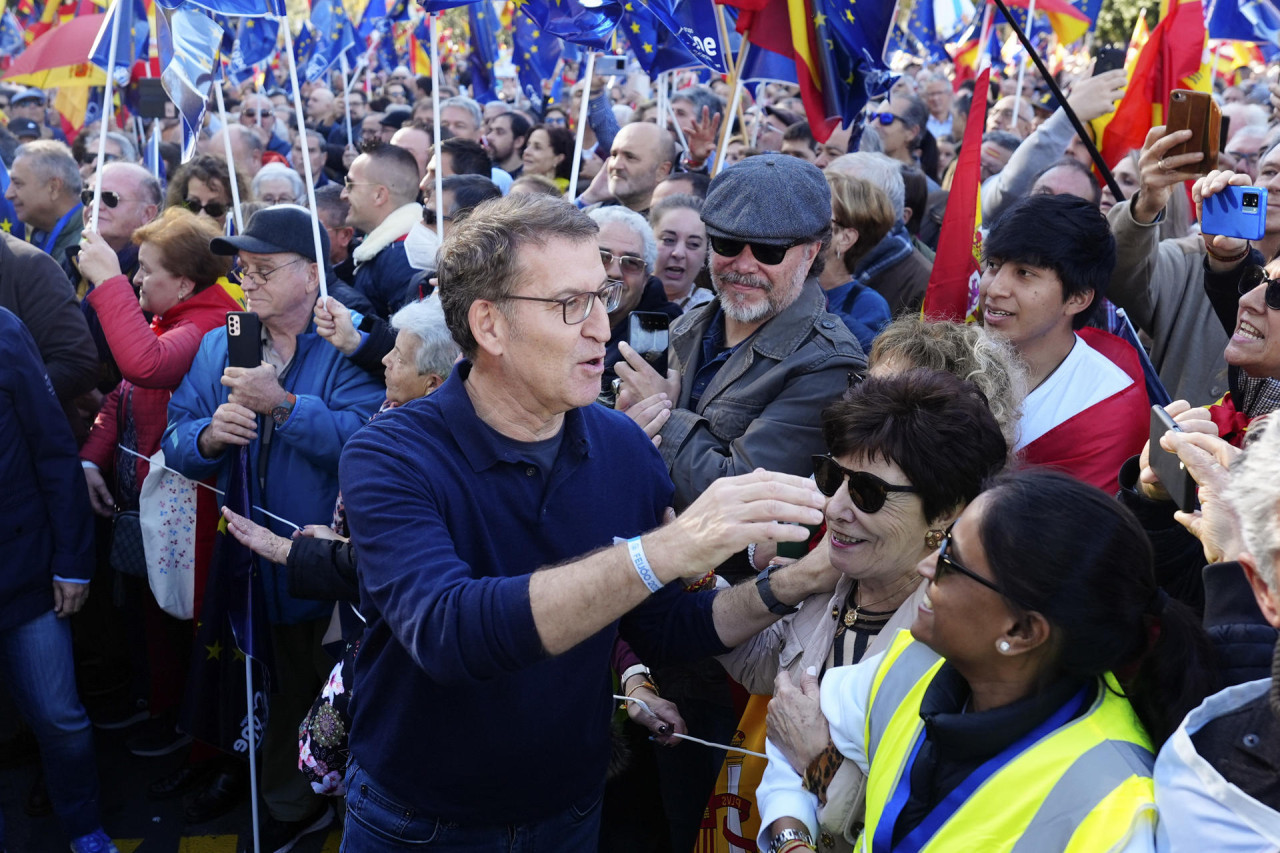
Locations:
{"points": [[152, 361]]}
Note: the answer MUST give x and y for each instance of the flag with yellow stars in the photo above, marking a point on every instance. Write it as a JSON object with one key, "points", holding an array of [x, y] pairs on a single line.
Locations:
{"points": [[534, 54], [654, 46], [255, 42], [484, 51], [190, 44], [231, 634], [693, 23], [241, 8], [335, 37], [132, 43], [8, 217], [575, 21]]}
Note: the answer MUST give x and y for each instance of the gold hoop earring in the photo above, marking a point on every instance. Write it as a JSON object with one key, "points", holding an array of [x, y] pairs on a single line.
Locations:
{"points": [[934, 538]]}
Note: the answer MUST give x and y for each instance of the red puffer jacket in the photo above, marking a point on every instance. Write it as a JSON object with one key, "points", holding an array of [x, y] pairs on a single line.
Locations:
{"points": [[153, 362]]}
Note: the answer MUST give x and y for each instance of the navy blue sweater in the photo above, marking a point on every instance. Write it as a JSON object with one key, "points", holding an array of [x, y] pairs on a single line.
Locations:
{"points": [[459, 711]]}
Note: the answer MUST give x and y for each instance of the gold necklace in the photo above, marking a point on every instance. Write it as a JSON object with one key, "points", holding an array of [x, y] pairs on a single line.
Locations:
{"points": [[856, 613]]}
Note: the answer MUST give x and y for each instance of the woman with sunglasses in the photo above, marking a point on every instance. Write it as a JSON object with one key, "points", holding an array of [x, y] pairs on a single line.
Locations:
{"points": [[1022, 709], [907, 452], [203, 186]]}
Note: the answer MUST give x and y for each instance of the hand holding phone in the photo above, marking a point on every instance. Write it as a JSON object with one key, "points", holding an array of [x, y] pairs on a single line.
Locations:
{"points": [[244, 339], [1239, 212], [1174, 476], [649, 334], [1197, 112]]}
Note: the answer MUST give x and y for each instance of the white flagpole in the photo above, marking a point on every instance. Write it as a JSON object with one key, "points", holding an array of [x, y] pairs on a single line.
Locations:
{"points": [[436, 82], [107, 113], [582, 124], [253, 757], [321, 260], [231, 163], [346, 89]]}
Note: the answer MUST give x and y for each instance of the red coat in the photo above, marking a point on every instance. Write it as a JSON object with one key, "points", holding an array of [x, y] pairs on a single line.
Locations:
{"points": [[153, 360]]}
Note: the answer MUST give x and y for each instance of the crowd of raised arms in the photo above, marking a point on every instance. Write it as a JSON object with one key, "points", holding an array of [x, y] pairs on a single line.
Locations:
{"points": [[657, 513]]}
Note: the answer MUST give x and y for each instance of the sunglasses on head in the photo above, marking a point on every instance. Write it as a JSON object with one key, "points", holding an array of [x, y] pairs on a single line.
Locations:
{"points": [[627, 263], [867, 491], [765, 253], [1254, 276], [213, 208]]}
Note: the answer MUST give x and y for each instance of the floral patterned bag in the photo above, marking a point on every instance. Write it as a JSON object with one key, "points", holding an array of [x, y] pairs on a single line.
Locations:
{"points": [[323, 745]]}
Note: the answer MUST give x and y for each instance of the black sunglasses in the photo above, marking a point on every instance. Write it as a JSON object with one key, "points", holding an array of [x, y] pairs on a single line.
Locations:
{"points": [[109, 198], [213, 208], [1254, 276], [867, 491], [766, 254], [947, 563]]}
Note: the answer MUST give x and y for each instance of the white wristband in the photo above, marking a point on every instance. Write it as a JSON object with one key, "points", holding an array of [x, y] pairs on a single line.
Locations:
{"points": [[641, 563], [86, 464], [636, 669]]}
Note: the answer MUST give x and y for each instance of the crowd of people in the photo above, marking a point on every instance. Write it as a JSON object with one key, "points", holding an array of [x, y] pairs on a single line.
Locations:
{"points": [[550, 550]]}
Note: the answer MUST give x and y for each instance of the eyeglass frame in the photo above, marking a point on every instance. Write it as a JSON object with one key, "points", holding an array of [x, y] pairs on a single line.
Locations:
{"points": [[607, 257], [197, 206], [1249, 279], [612, 285], [261, 279], [756, 249], [846, 479], [951, 564]]}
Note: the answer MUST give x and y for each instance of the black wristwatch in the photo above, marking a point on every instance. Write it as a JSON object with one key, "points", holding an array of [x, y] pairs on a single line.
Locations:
{"points": [[765, 587]]}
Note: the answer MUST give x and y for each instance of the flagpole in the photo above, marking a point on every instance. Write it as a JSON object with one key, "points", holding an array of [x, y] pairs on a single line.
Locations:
{"points": [[253, 758], [155, 144], [1103, 169], [433, 21], [321, 260], [582, 123], [346, 100], [107, 113], [1022, 65], [231, 163], [735, 82]]}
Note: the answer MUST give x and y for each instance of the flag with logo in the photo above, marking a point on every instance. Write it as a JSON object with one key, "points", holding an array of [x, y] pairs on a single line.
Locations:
{"points": [[189, 43], [255, 43], [336, 36], [693, 23]]}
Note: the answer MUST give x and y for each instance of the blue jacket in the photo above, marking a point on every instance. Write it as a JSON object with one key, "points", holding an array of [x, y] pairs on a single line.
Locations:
{"points": [[384, 280], [298, 479], [450, 520], [46, 524], [864, 311]]}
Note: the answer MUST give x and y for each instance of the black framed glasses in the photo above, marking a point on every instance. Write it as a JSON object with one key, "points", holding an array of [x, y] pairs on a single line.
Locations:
{"points": [[627, 263], [765, 253], [213, 208], [1254, 276], [947, 563], [867, 491], [577, 308]]}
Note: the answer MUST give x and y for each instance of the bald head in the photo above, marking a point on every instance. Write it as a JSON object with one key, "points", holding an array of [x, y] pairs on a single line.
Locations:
{"points": [[417, 142], [642, 155], [320, 104]]}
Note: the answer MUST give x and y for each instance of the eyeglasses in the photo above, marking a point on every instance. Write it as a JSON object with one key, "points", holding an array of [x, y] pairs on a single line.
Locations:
{"points": [[947, 563], [109, 198], [429, 216], [1254, 276], [867, 491], [885, 118], [278, 199], [577, 308], [767, 254], [213, 208], [348, 183], [627, 263], [261, 277], [552, 121]]}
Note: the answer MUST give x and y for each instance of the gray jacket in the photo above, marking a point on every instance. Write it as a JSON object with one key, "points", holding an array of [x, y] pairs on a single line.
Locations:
{"points": [[1160, 284], [762, 409], [1044, 147]]}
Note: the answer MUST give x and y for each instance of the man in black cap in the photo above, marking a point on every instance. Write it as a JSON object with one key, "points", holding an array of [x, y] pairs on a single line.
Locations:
{"points": [[30, 104], [293, 412]]}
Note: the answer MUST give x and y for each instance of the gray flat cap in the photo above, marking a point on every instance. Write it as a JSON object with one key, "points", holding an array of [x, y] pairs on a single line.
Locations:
{"points": [[770, 198]]}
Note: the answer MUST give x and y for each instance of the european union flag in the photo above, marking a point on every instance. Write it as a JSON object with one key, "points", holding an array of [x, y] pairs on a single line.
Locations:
{"points": [[693, 22], [1244, 20], [9, 222], [11, 41], [133, 43], [232, 627], [255, 42], [436, 6], [241, 8], [189, 44], [922, 27], [655, 48], [396, 11], [855, 39], [484, 51], [534, 55], [329, 19], [574, 22], [303, 46]]}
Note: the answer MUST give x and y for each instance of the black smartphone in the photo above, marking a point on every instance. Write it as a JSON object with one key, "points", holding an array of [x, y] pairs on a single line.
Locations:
{"points": [[1108, 59], [650, 335], [244, 339], [1173, 475]]}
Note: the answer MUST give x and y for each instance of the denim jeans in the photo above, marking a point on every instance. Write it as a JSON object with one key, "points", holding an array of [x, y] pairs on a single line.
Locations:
{"points": [[37, 668], [376, 822]]}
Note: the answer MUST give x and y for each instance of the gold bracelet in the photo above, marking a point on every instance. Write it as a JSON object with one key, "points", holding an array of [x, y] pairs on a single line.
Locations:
{"points": [[645, 683]]}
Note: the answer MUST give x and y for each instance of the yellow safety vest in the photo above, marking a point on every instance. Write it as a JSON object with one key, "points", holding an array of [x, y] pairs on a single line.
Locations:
{"points": [[1079, 789]]}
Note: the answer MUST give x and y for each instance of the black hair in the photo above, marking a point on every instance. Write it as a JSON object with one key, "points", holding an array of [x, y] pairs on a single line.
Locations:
{"points": [[1059, 232], [1080, 559], [1006, 140], [800, 130], [469, 190], [520, 125], [469, 157], [562, 142], [698, 182], [916, 197], [933, 425]]}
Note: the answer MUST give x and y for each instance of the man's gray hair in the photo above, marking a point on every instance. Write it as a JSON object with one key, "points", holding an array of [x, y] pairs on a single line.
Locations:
{"points": [[700, 96], [280, 170], [879, 169], [250, 137], [468, 104], [424, 319], [1253, 493], [128, 151], [634, 221], [480, 257], [51, 159]]}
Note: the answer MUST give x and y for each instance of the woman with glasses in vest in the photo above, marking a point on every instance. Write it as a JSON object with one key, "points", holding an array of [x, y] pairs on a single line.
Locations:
{"points": [[1022, 710]]}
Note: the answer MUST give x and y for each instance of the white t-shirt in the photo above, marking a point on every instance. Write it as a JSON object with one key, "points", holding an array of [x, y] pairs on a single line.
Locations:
{"points": [[1085, 378]]}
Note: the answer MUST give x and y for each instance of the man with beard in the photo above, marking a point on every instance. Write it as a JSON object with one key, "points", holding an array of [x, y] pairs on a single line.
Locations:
{"points": [[504, 137]]}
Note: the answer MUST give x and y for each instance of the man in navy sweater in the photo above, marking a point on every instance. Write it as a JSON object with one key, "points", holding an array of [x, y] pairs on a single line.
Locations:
{"points": [[490, 521]]}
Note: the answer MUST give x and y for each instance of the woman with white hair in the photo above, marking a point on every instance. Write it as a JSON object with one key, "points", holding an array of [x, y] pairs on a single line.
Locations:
{"points": [[276, 183]]}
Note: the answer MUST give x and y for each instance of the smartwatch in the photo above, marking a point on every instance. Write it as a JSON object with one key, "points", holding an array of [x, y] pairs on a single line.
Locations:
{"points": [[765, 587]]}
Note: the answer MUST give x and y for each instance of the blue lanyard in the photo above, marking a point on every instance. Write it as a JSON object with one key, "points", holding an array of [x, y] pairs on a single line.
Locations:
{"points": [[943, 811], [47, 248]]}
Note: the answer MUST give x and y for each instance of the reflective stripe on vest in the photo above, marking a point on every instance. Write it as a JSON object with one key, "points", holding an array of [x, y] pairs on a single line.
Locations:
{"points": [[1079, 789], [904, 665]]}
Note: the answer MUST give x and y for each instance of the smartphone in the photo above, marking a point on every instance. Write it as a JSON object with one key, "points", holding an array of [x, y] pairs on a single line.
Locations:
{"points": [[608, 63], [650, 335], [1173, 475], [244, 339], [1197, 112], [1108, 59], [1239, 212]]}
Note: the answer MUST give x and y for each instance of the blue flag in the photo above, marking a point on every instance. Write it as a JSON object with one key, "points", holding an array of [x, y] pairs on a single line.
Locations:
{"points": [[923, 29], [484, 51], [9, 221], [1244, 20], [396, 11], [11, 41], [255, 42], [133, 43], [573, 21], [189, 44], [232, 627], [240, 8], [855, 38], [534, 55], [336, 36], [388, 54], [436, 6], [303, 46], [654, 46], [693, 22]]}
